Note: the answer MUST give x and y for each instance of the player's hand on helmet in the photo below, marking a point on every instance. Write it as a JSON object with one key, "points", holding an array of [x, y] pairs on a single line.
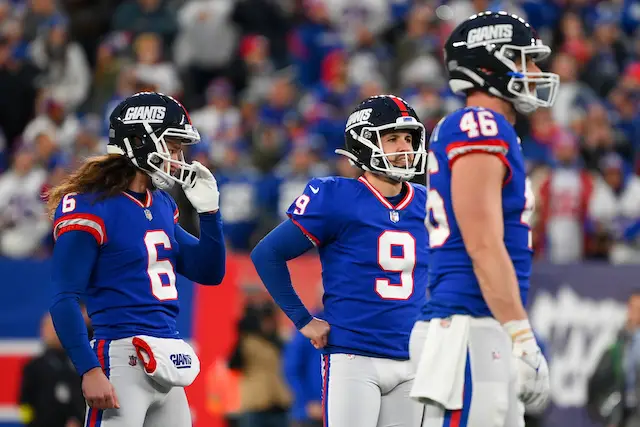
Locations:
{"points": [[98, 390], [202, 189], [317, 331], [532, 369]]}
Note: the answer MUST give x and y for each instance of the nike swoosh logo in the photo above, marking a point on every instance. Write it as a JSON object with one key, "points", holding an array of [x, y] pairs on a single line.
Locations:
{"points": [[314, 189]]}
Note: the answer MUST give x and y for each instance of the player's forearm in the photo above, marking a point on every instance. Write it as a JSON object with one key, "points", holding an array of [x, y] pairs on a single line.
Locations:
{"points": [[212, 240], [476, 192], [270, 258], [498, 282]]}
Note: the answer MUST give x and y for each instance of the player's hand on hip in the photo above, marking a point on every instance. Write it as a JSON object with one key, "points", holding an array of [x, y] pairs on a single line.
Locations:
{"points": [[531, 366], [98, 390], [73, 423], [317, 331], [314, 410], [202, 189]]}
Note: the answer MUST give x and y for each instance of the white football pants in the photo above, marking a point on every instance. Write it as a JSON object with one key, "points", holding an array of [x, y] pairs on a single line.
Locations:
{"points": [[143, 402], [361, 391], [490, 395]]}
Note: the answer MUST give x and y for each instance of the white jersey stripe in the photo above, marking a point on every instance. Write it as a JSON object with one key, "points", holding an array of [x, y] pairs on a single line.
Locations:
{"points": [[455, 152], [83, 222]]}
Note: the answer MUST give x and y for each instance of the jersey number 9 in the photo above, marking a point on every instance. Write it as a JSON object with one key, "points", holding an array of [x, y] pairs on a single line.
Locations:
{"points": [[403, 264]]}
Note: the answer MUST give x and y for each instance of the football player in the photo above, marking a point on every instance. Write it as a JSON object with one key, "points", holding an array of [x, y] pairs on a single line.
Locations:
{"points": [[119, 247], [372, 243], [476, 357]]}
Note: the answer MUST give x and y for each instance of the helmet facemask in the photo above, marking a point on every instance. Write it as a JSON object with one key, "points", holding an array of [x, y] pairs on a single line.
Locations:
{"points": [[165, 170], [380, 162], [159, 164], [545, 85]]}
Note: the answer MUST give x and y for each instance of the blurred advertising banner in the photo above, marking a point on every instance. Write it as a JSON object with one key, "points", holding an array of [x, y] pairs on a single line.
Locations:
{"points": [[577, 311]]}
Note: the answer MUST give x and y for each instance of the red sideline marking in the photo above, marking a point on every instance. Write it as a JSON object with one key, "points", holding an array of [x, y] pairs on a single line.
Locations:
{"points": [[11, 377], [14, 354]]}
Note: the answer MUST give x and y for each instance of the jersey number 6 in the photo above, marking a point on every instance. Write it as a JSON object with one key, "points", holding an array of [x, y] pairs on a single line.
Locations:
{"points": [[403, 264], [156, 268], [68, 203]]}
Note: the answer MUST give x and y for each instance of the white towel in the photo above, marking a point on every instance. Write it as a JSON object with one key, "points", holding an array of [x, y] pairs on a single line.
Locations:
{"points": [[170, 362], [440, 374]]}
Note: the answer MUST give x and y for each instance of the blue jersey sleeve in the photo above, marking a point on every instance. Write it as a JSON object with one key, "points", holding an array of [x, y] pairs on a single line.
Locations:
{"points": [[270, 257], [313, 212], [79, 212], [201, 260], [475, 130], [74, 256]]}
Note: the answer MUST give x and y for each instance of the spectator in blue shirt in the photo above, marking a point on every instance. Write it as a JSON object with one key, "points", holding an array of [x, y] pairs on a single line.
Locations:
{"points": [[302, 370]]}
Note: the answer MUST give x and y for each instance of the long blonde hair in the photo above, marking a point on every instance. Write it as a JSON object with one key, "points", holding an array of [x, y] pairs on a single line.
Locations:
{"points": [[105, 176]]}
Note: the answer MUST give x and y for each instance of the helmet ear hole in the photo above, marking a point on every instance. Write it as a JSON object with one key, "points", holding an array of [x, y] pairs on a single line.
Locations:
{"points": [[518, 87], [156, 160], [416, 139], [136, 142]]}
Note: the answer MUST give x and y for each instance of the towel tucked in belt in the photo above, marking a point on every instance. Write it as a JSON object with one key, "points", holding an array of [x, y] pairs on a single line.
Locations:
{"points": [[440, 374]]}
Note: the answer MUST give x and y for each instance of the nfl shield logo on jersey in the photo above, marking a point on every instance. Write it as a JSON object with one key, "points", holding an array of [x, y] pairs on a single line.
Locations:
{"points": [[147, 213], [133, 360], [394, 216]]}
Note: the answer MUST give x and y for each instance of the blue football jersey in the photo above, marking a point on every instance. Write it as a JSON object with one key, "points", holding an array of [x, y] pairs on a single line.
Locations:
{"points": [[453, 286], [132, 289], [374, 262]]}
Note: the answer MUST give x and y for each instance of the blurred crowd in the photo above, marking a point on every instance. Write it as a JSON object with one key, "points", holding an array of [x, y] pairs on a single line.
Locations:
{"points": [[269, 84]]}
